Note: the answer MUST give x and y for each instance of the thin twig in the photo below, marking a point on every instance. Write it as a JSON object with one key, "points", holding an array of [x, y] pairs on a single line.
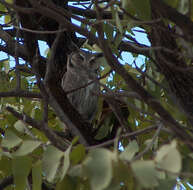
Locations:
{"points": [[150, 78], [133, 134], [92, 81], [39, 31], [149, 146], [21, 93], [17, 71]]}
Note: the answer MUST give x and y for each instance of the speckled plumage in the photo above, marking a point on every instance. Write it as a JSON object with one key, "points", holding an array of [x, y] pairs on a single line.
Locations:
{"points": [[82, 68]]}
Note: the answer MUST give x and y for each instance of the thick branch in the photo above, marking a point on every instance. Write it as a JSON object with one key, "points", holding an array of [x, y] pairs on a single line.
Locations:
{"points": [[132, 134]]}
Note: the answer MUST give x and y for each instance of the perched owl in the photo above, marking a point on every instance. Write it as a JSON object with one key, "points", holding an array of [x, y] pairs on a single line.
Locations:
{"points": [[82, 68]]}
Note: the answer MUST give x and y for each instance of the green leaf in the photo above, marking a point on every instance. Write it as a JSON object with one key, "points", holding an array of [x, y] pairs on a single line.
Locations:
{"points": [[76, 171], [169, 158], [166, 184], [51, 161], [127, 5], [27, 147], [129, 151], [5, 166], [66, 163], [98, 168], [2, 7], [66, 184], [108, 28], [6, 65], [21, 168], [10, 140], [113, 186], [20, 126], [77, 154], [9, 1], [7, 19], [36, 114], [172, 3], [143, 9], [104, 129], [37, 176], [145, 172], [183, 6]]}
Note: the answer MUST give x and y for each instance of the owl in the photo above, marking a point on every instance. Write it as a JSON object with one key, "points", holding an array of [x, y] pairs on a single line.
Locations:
{"points": [[80, 82]]}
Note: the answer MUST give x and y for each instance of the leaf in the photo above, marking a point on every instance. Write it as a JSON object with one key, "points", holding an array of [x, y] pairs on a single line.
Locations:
{"points": [[113, 186], [21, 168], [66, 163], [10, 140], [37, 176], [129, 151], [104, 129], [166, 184], [76, 171], [5, 166], [66, 184], [2, 8], [51, 160], [27, 147], [7, 19], [172, 3], [183, 6], [36, 114], [169, 158], [127, 5], [9, 1], [145, 172], [108, 28], [6, 65], [20, 126], [143, 9], [77, 154], [98, 168]]}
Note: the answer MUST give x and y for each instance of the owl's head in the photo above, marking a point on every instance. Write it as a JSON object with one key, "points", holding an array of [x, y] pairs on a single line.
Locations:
{"points": [[81, 62]]}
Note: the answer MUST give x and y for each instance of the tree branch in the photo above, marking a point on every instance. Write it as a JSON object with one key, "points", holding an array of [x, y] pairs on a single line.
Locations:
{"points": [[20, 93], [136, 87], [172, 14], [149, 146], [132, 134], [54, 139]]}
